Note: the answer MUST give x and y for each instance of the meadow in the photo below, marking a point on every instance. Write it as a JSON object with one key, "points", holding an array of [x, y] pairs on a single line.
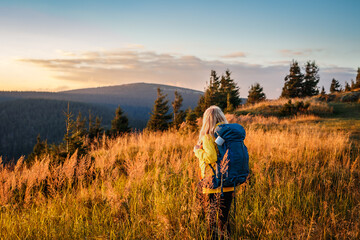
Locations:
{"points": [[304, 184]]}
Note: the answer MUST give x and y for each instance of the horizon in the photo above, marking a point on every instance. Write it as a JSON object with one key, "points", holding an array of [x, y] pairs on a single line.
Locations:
{"points": [[67, 45]]}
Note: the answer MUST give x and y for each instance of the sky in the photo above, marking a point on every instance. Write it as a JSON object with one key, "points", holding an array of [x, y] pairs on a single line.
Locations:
{"points": [[63, 45]]}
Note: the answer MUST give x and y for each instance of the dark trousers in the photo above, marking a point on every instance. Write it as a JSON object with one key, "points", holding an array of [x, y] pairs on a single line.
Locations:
{"points": [[218, 214]]}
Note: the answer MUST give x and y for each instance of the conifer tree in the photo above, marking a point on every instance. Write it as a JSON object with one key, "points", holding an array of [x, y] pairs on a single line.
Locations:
{"points": [[178, 115], [75, 134], [229, 87], [335, 86], [352, 86], [293, 82], [69, 124], [120, 123], [322, 91], [233, 89], [39, 149], [217, 93], [159, 117], [80, 125], [191, 120], [229, 107], [347, 87], [357, 83], [311, 79], [95, 129], [256, 94], [199, 109]]}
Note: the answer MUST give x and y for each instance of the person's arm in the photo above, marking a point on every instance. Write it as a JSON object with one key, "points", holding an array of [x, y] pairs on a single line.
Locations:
{"points": [[208, 152]]}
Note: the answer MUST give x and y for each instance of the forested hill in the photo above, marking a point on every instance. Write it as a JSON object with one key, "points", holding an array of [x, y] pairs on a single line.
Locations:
{"points": [[22, 120], [24, 115], [135, 99], [136, 94]]}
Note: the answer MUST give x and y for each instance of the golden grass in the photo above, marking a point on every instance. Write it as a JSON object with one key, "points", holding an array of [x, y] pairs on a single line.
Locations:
{"points": [[272, 107], [304, 184]]}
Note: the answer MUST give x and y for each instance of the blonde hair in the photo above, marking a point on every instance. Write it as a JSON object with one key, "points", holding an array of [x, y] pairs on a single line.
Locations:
{"points": [[212, 116]]}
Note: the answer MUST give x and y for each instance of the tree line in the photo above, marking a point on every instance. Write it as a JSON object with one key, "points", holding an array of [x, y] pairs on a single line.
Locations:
{"points": [[221, 91]]}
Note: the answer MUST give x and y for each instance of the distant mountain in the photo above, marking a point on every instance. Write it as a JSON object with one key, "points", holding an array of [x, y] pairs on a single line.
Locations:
{"points": [[23, 115]]}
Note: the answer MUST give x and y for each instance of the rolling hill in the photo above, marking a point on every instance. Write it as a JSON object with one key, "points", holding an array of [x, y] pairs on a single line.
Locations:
{"points": [[24, 115]]}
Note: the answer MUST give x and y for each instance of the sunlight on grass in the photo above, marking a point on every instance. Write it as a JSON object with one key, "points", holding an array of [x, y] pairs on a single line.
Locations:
{"points": [[304, 183]]}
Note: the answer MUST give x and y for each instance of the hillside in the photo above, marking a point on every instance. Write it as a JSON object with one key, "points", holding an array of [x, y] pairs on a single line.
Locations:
{"points": [[22, 120], [24, 115], [140, 95]]}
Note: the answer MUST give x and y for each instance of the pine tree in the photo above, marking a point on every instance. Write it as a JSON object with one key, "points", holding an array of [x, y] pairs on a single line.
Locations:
{"points": [[352, 86], [159, 117], [232, 89], [199, 109], [218, 92], [322, 91], [39, 149], [120, 123], [211, 94], [95, 129], [335, 86], [75, 134], [293, 82], [229, 107], [191, 120], [256, 94], [347, 87], [178, 115], [80, 125], [311, 80], [357, 83], [69, 124]]}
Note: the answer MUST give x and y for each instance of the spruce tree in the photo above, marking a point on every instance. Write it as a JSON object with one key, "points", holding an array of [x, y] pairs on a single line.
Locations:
{"points": [[178, 115], [199, 109], [159, 117], [293, 82], [352, 86], [75, 134], [232, 89], [80, 125], [95, 128], [335, 86], [191, 120], [120, 123], [39, 149], [69, 125], [357, 83], [229, 107], [311, 79], [347, 87], [256, 94], [218, 92], [322, 91]]}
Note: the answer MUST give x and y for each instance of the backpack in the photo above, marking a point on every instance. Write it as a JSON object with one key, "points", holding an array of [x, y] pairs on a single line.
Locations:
{"points": [[232, 166]]}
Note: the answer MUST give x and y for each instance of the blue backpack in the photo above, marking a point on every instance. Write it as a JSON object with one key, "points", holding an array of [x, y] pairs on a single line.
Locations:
{"points": [[230, 143]]}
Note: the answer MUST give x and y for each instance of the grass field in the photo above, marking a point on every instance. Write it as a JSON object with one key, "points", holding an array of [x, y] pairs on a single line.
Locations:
{"points": [[304, 184]]}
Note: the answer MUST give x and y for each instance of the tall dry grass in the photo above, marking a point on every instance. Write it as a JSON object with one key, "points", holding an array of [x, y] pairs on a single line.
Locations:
{"points": [[270, 108], [304, 184]]}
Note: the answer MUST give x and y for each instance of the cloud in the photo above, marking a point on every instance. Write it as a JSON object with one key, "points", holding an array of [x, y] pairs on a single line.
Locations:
{"points": [[113, 67], [234, 55], [303, 52]]}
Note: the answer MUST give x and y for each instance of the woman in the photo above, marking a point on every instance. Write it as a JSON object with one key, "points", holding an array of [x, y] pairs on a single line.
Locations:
{"points": [[206, 151]]}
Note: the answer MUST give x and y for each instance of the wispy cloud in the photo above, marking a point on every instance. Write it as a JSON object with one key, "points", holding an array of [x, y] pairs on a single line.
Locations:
{"points": [[235, 55], [112, 67], [303, 52]]}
